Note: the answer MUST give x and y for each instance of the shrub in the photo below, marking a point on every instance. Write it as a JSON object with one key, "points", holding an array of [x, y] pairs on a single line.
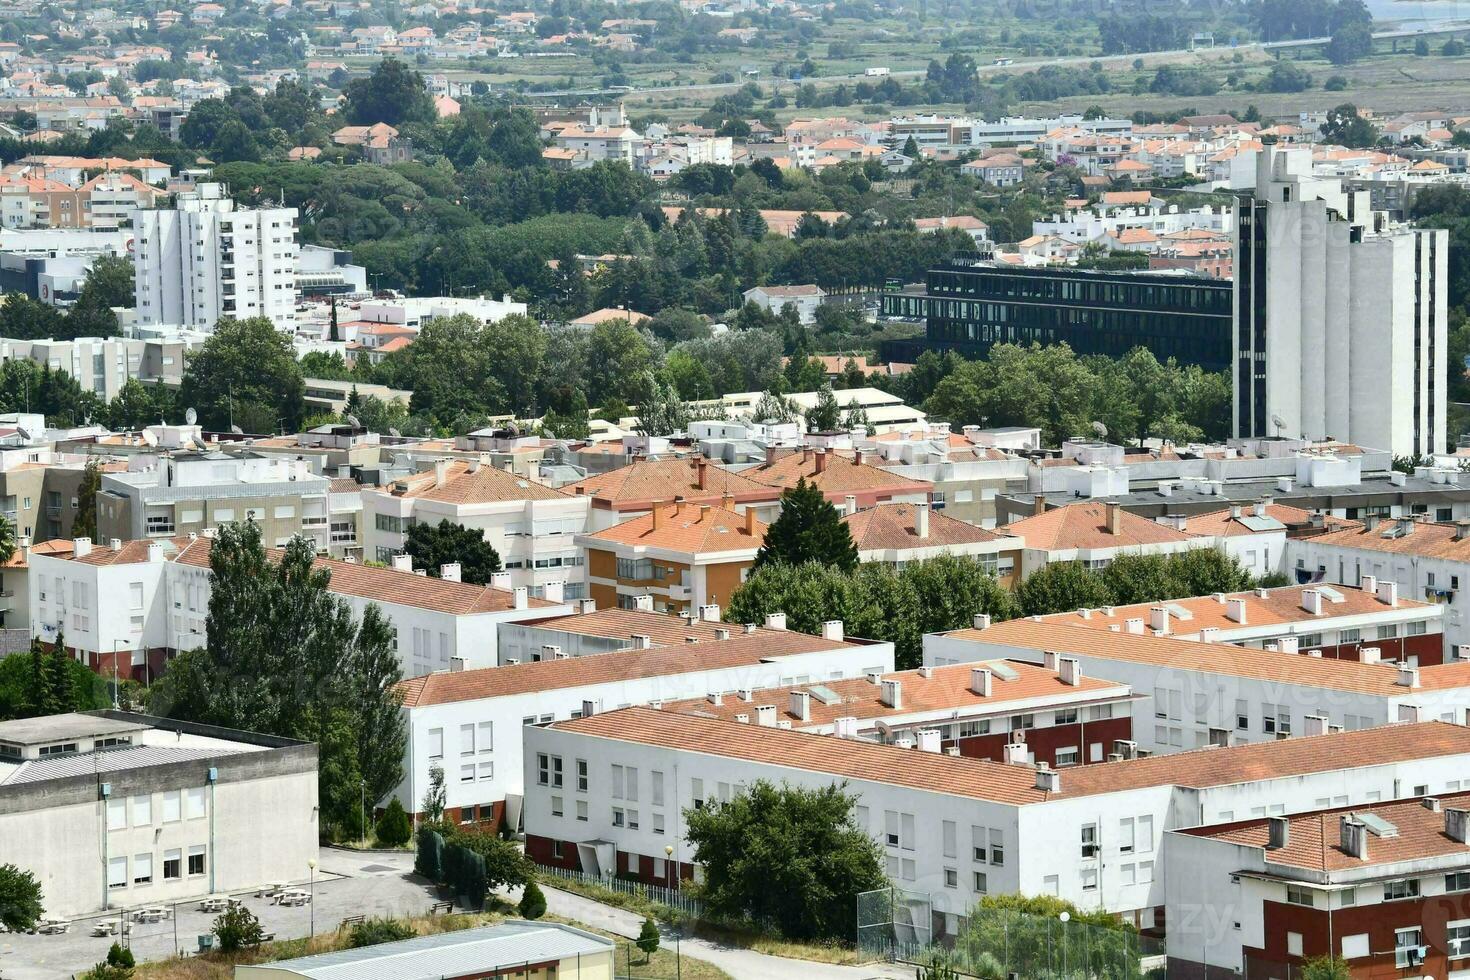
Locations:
{"points": [[394, 828], [119, 955], [533, 903], [237, 927], [1335, 84], [430, 859], [648, 939], [372, 932]]}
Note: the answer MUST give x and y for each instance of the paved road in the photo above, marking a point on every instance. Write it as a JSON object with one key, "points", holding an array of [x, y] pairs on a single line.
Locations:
{"points": [[742, 964]]}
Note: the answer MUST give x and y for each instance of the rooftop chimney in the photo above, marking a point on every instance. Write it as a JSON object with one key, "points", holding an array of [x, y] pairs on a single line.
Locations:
{"points": [[921, 521], [710, 613], [849, 504], [1014, 754], [500, 580], [832, 630], [1456, 824], [701, 473], [750, 521], [1069, 670], [1314, 725], [554, 591], [114, 543], [1278, 831], [404, 563], [1370, 522], [982, 621], [765, 715], [1158, 619], [1353, 837], [929, 740], [550, 651], [801, 705], [1408, 676], [641, 641], [1260, 508], [716, 698], [746, 694], [891, 693], [1388, 593], [522, 597], [980, 681], [1462, 530], [1038, 505], [1134, 625], [585, 606], [1370, 655], [81, 547], [1235, 610], [441, 471], [845, 727], [643, 603], [449, 572], [1115, 517], [1048, 780], [775, 621], [1312, 601], [155, 552], [821, 460]]}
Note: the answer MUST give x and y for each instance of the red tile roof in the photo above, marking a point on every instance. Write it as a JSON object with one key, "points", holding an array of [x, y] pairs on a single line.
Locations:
{"points": [[1085, 526], [639, 484], [892, 527], [1420, 538], [838, 473], [473, 483], [687, 528]]}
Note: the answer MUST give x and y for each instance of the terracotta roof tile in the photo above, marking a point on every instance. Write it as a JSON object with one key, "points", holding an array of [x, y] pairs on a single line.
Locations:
{"points": [[839, 474], [1423, 539], [892, 527], [687, 528], [640, 483], [487, 484], [1085, 525], [1223, 523]]}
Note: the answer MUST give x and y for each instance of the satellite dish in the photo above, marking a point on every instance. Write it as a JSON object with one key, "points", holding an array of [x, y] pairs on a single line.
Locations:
{"points": [[352, 421], [190, 416], [237, 430], [149, 438], [23, 433], [1100, 429], [395, 433], [1276, 421]]}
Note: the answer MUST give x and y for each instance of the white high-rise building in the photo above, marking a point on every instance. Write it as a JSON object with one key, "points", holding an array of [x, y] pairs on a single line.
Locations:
{"points": [[1340, 315], [205, 259]]}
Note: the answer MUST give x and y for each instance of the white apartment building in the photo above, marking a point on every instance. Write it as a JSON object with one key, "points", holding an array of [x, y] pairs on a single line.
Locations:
{"points": [[205, 259], [1341, 317], [1423, 559], [606, 794], [167, 813], [595, 145], [531, 526], [1205, 694], [416, 311], [1101, 221], [138, 602], [471, 724]]}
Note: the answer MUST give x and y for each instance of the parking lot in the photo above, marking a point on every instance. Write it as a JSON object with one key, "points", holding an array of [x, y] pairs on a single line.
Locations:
{"points": [[347, 884]]}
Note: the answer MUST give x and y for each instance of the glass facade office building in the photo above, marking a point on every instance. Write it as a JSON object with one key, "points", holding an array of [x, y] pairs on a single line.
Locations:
{"points": [[971, 305]]}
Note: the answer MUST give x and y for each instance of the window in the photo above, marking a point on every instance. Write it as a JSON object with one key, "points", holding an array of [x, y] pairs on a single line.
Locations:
{"points": [[890, 828], [1348, 897], [1293, 944], [1020, 723], [548, 769], [1066, 757], [1089, 840], [582, 810], [143, 869], [951, 878], [1355, 946], [466, 739], [487, 741], [467, 773], [1408, 948], [487, 771], [1125, 835], [980, 888], [1457, 938], [1349, 636], [632, 784], [632, 819], [656, 778], [436, 743], [173, 865], [1297, 895], [617, 782], [117, 872], [1458, 881], [1145, 872], [1145, 834], [1089, 879], [143, 811], [117, 814], [172, 806], [556, 806], [696, 789], [658, 823], [1402, 888], [1415, 628], [619, 818], [1388, 632], [1067, 717], [997, 846], [196, 860], [194, 802], [581, 775]]}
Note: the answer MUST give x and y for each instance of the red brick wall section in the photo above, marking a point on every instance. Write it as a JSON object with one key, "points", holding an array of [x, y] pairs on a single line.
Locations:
{"points": [[1378, 920], [1044, 742], [1428, 647], [540, 850]]}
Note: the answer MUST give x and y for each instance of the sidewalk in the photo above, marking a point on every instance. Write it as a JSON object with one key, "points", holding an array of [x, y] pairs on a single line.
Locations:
{"points": [[742, 964]]}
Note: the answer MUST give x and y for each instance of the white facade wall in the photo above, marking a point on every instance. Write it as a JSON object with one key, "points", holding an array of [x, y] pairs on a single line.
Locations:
{"points": [[205, 260], [1041, 842], [494, 750]]}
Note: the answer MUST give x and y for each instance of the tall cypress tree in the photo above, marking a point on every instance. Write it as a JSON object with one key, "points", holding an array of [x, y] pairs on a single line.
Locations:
{"points": [[809, 529]]}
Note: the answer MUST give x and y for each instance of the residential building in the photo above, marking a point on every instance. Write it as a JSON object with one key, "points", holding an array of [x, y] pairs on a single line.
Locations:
{"points": [[1094, 532], [472, 723], [843, 478], [1318, 620], [969, 305], [192, 489], [1377, 885], [1256, 535], [531, 950], [966, 471], [1208, 693], [206, 258], [102, 365], [634, 490], [173, 809], [897, 534], [1422, 559], [772, 299], [131, 605], [531, 526], [685, 557], [15, 581], [1341, 317], [955, 829], [978, 712]]}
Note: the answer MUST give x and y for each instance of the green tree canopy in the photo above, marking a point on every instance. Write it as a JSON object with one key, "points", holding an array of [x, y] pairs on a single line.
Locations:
{"points": [[434, 545], [789, 859], [20, 898], [245, 374], [393, 93], [809, 529]]}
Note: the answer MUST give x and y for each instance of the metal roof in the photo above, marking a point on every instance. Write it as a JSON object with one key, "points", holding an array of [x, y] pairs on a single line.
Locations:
{"points": [[473, 952], [105, 761], [56, 728]]}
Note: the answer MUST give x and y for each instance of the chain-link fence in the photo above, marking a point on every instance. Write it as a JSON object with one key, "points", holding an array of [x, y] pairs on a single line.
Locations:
{"points": [[999, 943]]}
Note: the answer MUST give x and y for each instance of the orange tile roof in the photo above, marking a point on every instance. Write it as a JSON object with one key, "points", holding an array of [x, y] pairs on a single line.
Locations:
{"points": [[1223, 523], [662, 629], [685, 528], [56, 547], [1423, 539], [1085, 525], [1016, 785], [1374, 680], [1277, 607], [946, 689], [741, 650], [1314, 839], [644, 481], [486, 485], [891, 526], [839, 474]]}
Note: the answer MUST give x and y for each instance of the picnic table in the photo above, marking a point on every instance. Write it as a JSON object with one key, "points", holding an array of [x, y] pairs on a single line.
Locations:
{"points": [[292, 897], [52, 927], [217, 903], [104, 927]]}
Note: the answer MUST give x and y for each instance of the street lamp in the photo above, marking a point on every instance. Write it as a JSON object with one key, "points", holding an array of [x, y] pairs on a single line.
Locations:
{"points": [[115, 704], [669, 864], [311, 898], [1065, 917], [362, 808]]}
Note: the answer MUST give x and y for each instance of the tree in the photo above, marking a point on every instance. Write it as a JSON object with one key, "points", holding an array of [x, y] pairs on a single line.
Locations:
{"points": [[85, 525], [246, 374], [505, 865], [431, 546], [236, 928], [332, 332], [20, 898], [533, 902], [1326, 967], [1344, 125], [662, 412], [789, 859], [1061, 587], [394, 828], [809, 529], [393, 93], [773, 409], [825, 415], [432, 805], [648, 938], [120, 956]]}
